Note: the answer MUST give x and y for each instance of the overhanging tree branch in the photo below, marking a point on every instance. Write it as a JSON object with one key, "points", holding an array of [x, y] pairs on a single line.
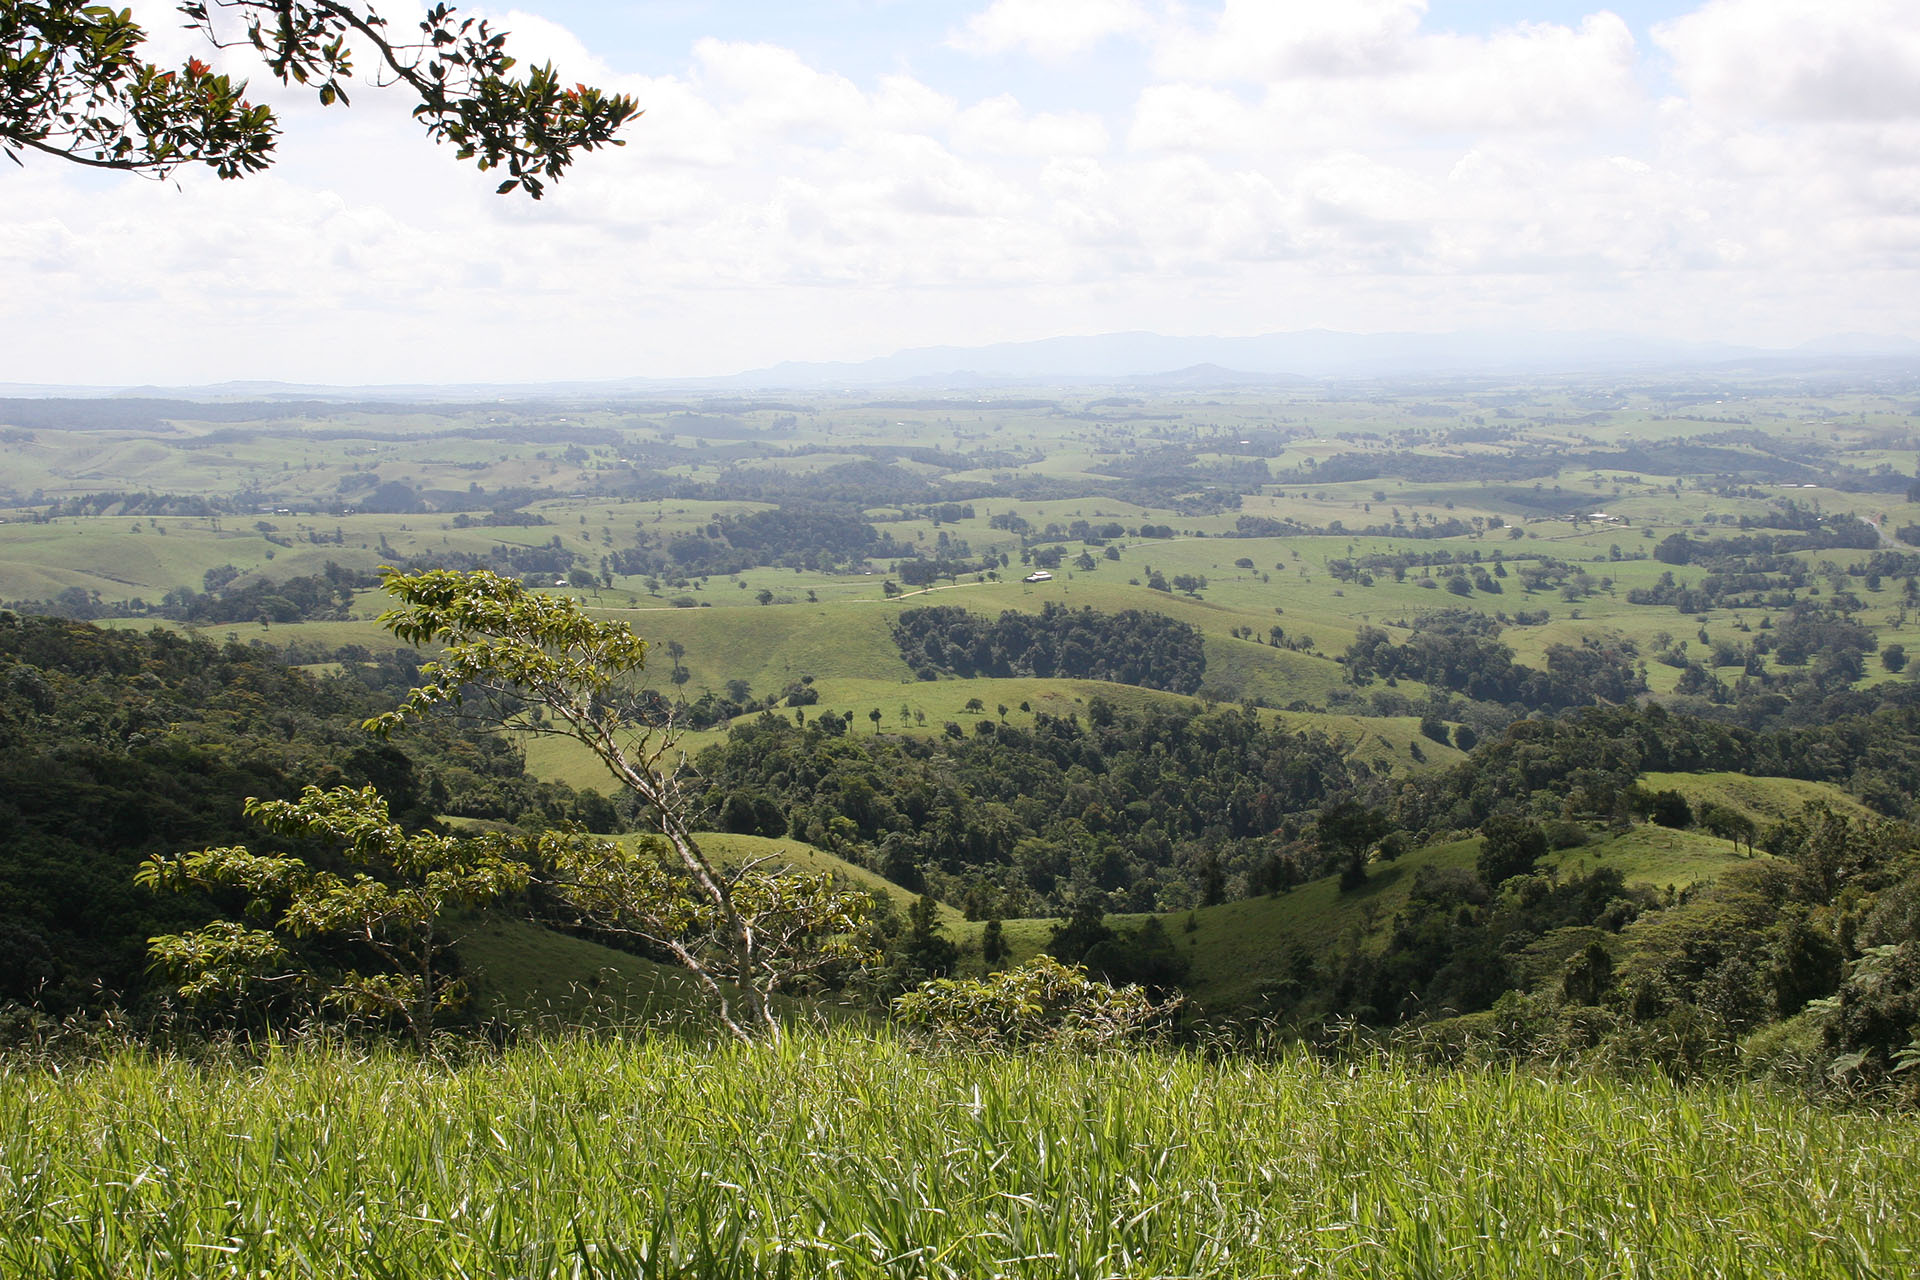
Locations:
{"points": [[73, 85]]}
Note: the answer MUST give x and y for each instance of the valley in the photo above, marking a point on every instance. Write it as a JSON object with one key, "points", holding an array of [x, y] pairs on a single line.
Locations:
{"points": [[1367, 586]]}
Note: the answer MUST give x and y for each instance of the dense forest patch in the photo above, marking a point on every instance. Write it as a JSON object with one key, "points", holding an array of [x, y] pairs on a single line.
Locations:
{"points": [[1149, 809], [1128, 647], [115, 747]]}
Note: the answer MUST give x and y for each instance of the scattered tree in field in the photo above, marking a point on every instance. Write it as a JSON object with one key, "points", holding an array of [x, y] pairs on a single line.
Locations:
{"points": [[390, 909], [73, 84], [1728, 824], [1668, 808], [927, 952], [743, 933], [993, 943], [1349, 829], [1510, 846]]}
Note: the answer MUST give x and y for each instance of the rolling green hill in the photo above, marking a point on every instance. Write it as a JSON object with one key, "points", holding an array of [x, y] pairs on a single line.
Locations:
{"points": [[1235, 948], [526, 975], [1764, 800]]}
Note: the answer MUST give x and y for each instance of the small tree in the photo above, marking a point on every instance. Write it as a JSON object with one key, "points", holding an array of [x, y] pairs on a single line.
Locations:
{"points": [[993, 943], [1191, 583], [1669, 808], [744, 933], [1041, 1002], [1510, 846], [926, 952], [1349, 830], [1081, 932], [1588, 976], [390, 910], [800, 926]]}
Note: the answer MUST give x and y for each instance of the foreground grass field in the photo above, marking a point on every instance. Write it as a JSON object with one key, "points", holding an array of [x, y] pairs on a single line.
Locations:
{"points": [[847, 1155]]}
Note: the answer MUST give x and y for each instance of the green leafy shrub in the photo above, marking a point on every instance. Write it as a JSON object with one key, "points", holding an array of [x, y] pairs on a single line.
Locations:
{"points": [[1041, 1002]]}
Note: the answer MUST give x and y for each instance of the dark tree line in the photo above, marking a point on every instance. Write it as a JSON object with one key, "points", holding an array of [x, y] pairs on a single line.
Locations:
{"points": [[323, 596], [1480, 667], [814, 537], [1129, 647]]}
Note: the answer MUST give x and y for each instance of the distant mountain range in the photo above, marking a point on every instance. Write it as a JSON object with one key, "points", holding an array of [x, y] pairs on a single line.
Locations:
{"points": [[1146, 361], [1313, 355]]}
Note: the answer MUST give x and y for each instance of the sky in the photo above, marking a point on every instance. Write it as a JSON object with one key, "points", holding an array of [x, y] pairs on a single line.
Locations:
{"points": [[846, 178]]}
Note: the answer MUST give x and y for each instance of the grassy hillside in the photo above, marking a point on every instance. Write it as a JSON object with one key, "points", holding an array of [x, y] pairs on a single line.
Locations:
{"points": [[736, 850], [1236, 947], [1765, 800], [525, 975], [925, 707], [850, 1155]]}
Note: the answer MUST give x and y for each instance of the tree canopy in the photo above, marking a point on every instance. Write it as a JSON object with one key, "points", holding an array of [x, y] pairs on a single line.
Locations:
{"points": [[74, 83]]}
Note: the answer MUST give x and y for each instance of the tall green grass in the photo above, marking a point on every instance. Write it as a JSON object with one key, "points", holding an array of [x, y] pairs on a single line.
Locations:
{"points": [[841, 1154]]}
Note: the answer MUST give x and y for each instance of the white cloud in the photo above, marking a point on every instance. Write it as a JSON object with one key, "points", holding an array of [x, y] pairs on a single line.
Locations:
{"points": [[1788, 60], [1282, 165], [1265, 39], [1000, 125], [1050, 28], [906, 103], [535, 40], [1538, 75], [1384, 80], [770, 90], [1189, 117]]}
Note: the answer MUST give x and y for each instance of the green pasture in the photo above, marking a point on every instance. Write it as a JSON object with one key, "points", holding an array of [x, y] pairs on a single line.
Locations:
{"points": [[737, 850], [1653, 857], [288, 458], [1071, 435], [1765, 800], [1235, 947], [529, 977], [929, 706]]}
